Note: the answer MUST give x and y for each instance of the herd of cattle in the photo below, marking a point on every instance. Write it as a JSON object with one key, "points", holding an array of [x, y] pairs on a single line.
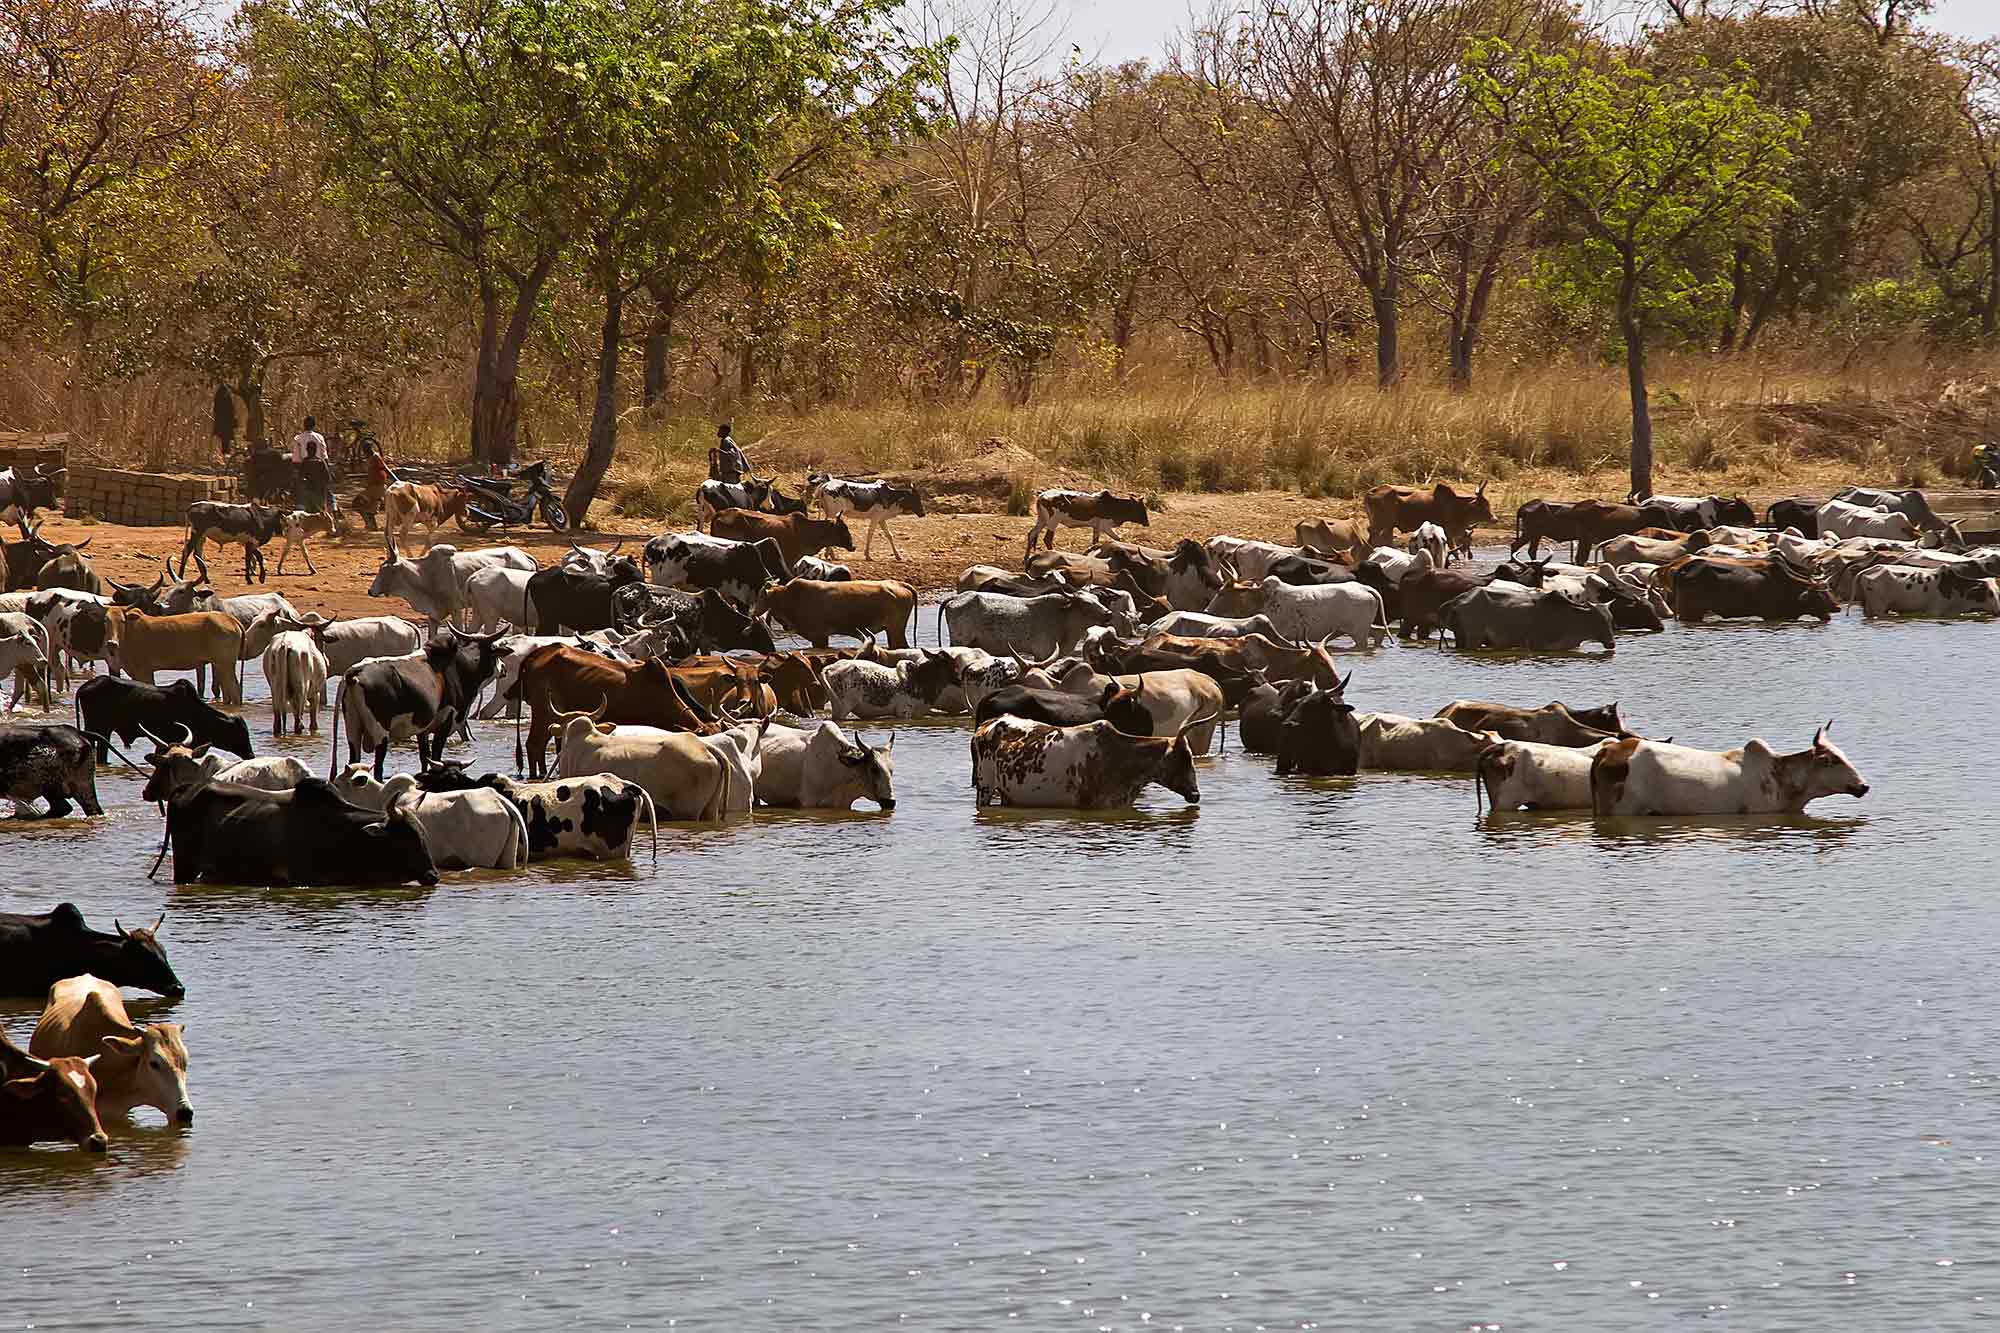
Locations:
{"points": [[659, 679]]}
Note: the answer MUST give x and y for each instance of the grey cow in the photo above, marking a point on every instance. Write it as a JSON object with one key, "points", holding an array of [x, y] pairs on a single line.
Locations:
{"points": [[1037, 626]]}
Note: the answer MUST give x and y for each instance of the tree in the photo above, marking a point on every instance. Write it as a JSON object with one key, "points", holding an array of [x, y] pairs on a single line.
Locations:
{"points": [[1648, 171], [433, 109], [1956, 222]]}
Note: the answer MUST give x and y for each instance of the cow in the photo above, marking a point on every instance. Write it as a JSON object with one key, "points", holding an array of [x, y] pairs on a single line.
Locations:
{"points": [[1641, 777], [1800, 515], [1631, 548], [1326, 611], [25, 653], [737, 570], [706, 622], [108, 707], [25, 558], [1236, 665], [435, 584], [794, 535], [1101, 512], [1112, 701], [1318, 735], [38, 950], [135, 1066], [1094, 767], [141, 645], [1185, 578], [1554, 521], [1261, 719], [712, 497], [1687, 513], [470, 829], [1597, 521], [1767, 589], [593, 816], [636, 694], [296, 670], [1430, 539], [1430, 745], [824, 571], [168, 595], [823, 768], [406, 504], [685, 778], [1393, 509], [1250, 560], [1912, 503], [349, 642], [1838, 518], [225, 834], [47, 1099], [1051, 623], [737, 747], [1902, 591], [1551, 724], [499, 596], [871, 690], [873, 502], [1175, 701], [250, 526], [422, 698], [861, 608], [1425, 595], [56, 764], [178, 764], [1198, 624], [24, 489], [568, 599], [1331, 536], [1525, 775], [1526, 619], [1304, 570], [1398, 565]]}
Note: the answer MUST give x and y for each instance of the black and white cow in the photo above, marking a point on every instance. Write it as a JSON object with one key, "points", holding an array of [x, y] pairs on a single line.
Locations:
{"points": [[108, 706], [54, 764], [706, 622], [1100, 512], [712, 497], [594, 817], [23, 490], [249, 526], [873, 502], [422, 697], [737, 570]]}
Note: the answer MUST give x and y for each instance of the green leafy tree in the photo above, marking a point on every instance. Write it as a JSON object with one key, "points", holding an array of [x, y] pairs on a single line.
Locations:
{"points": [[1652, 174]]}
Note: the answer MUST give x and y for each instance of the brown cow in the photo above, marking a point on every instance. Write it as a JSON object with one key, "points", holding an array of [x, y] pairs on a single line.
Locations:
{"points": [[556, 676], [717, 682], [1595, 521], [1551, 724], [408, 503], [1237, 665], [199, 641], [795, 534], [859, 608], [1425, 594], [794, 680], [47, 1099], [1331, 536], [1407, 508]]}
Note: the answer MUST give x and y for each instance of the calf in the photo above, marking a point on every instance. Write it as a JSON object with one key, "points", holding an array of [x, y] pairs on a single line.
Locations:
{"points": [[247, 525], [37, 951], [406, 504], [47, 1099], [873, 502], [135, 1066], [1101, 512]]}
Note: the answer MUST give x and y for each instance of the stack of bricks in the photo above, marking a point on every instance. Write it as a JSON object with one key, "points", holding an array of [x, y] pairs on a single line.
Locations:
{"points": [[20, 450], [141, 499]]}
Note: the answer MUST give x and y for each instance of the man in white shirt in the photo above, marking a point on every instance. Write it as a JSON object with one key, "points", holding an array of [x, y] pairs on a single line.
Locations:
{"points": [[308, 443], [315, 478]]}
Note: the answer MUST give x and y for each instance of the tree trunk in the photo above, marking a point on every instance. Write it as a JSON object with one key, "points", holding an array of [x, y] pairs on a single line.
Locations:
{"points": [[1387, 317], [1635, 378], [496, 412], [1989, 309], [603, 414], [1739, 295], [1121, 336], [483, 372], [657, 371], [250, 388], [1458, 346]]}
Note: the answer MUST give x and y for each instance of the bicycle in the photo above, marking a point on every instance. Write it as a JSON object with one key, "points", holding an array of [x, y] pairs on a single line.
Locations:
{"points": [[350, 444]]}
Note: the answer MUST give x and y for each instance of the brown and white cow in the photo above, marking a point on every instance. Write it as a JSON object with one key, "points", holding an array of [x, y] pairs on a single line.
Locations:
{"points": [[1100, 511], [136, 1066], [1091, 767], [409, 503], [47, 1099], [1639, 777]]}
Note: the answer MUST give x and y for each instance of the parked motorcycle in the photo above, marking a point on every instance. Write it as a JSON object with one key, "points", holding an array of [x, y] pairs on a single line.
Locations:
{"points": [[494, 502], [1986, 467]]}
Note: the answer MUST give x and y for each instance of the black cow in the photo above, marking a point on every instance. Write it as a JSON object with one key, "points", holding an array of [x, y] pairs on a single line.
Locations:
{"points": [[1540, 521], [1689, 515], [1768, 590], [1795, 513], [226, 834], [738, 570], [575, 599], [108, 706], [56, 764], [26, 557], [707, 621], [712, 497], [1525, 618], [1319, 736], [250, 526], [1117, 705], [1307, 570], [23, 490], [1264, 709], [38, 951], [421, 700]]}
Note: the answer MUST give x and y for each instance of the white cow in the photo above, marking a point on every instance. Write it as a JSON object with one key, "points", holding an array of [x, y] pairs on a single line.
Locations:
{"points": [[738, 747], [1638, 777], [1526, 775], [1837, 518], [822, 768], [1419, 744], [685, 778], [25, 655], [347, 643], [1901, 590], [1251, 559], [1399, 565], [472, 829], [1093, 767], [1433, 541], [1310, 613], [295, 668], [499, 595], [871, 690]]}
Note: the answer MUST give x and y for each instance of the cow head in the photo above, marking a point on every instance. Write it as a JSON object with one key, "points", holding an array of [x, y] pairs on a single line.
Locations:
{"points": [[875, 768], [1319, 735], [1819, 770], [1123, 709], [60, 1093], [142, 962], [1968, 589], [932, 675], [1176, 768], [153, 1061], [835, 533], [398, 844], [1734, 511], [177, 765]]}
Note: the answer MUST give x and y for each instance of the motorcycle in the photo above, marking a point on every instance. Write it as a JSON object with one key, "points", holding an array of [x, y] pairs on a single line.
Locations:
{"points": [[1986, 475], [492, 502]]}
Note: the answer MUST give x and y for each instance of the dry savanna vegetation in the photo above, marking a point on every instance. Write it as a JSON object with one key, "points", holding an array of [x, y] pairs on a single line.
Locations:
{"points": [[1309, 247]]}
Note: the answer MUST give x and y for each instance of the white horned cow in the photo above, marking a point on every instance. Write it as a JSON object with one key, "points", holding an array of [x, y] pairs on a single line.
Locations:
{"points": [[738, 747], [1179, 702], [823, 768], [1089, 767], [1838, 518], [1037, 626], [1251, 560], [471, 829], [1100, 511], [1640, 777], [1528, 775], [135, 1066], [1309, 613], [685, 778], [873, 502], [296, 670]]}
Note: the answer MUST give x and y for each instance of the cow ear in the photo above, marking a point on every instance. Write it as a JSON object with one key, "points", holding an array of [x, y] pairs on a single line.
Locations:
{"points": [[23, 1088], [115, 1045], [853, 756], [201, 749]]}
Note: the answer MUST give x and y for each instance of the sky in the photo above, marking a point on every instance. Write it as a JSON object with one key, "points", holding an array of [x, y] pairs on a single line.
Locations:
{"points": [[1120, 30]]}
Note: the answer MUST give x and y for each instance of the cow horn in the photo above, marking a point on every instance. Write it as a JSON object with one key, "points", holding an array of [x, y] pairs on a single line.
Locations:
{"points": [[1819, 737], [82, 545], [603, 707], [158, 922]]}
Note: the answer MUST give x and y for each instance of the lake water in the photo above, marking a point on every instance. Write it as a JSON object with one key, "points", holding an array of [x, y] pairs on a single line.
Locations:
{"points": [[1332, 1053]]}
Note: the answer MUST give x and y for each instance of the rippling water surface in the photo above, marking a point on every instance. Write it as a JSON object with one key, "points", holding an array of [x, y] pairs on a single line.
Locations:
{"points": [[1336, 1053]]}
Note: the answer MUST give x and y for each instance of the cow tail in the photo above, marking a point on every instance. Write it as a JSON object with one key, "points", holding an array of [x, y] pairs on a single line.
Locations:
{"points": [[339, 701], [239, 664], [520, 755], [105, 740], [520, 857], [941, 638], [166, 833]]}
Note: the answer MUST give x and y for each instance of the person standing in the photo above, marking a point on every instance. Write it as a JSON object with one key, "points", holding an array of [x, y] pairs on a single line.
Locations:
{"points": [[726, 461], [369, 498], [315, 477]]}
